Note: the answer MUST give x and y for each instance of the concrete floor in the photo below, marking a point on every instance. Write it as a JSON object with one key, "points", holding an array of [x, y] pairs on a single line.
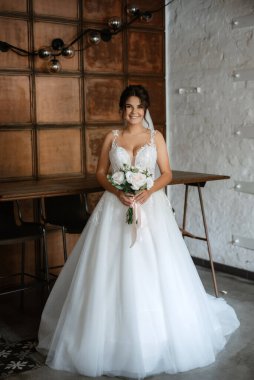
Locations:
{"points": [[235, 362]]}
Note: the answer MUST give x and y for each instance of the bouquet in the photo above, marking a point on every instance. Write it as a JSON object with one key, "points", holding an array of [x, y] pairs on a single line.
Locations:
{"points": [[131, 180]]}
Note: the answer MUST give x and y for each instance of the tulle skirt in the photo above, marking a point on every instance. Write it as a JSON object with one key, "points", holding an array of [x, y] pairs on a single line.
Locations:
{"points": [[136, 311]]}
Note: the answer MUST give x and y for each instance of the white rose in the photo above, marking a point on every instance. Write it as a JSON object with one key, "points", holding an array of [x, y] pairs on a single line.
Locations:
{"points": [[128, 176], [138, 180], [118, 178], [149, 183]]}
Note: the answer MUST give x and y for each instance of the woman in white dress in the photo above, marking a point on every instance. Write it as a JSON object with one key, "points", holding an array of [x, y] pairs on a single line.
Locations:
{"points": [[132, 304]]}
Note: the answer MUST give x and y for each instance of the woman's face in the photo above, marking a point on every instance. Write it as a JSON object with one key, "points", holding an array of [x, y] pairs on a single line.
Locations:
{"points": [[134, 111]]}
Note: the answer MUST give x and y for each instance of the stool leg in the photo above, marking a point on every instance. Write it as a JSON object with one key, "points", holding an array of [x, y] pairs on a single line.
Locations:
{"points": [[22, 274], [208, 242], [64, 244], [45, 256]]}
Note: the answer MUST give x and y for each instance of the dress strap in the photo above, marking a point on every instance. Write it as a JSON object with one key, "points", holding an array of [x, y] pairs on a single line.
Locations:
{"points": [[115, 134], [153, 133]]}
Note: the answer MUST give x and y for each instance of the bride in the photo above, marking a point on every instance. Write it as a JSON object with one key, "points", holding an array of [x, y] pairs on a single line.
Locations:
{"points": [[132, 304]]}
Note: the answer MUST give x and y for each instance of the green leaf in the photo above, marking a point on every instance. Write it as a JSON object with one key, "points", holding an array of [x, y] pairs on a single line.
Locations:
{"points": [[129, 215]]}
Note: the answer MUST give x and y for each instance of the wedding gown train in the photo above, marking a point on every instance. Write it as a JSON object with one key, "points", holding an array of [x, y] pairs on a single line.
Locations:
{"points": [[136, 311]]}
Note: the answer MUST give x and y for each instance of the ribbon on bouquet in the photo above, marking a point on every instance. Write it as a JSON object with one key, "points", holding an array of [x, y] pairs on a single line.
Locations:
{"points": [[139, 221]]}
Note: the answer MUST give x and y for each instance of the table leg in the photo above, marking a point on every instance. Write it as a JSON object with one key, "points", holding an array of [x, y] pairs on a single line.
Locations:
{"points": [[208, 242], [206, 238], [185, 206]]}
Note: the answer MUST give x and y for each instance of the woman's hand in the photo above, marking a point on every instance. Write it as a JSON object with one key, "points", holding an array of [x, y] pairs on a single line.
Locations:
{"points": [[142, 196], [126, 200]]}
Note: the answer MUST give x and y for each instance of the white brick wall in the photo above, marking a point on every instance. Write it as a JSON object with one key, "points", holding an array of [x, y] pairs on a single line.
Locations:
{"points": [[203, 50]]}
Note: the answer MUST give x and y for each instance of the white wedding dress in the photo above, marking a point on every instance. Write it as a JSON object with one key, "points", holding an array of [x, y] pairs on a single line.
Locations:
{"points": [[137, 311]]}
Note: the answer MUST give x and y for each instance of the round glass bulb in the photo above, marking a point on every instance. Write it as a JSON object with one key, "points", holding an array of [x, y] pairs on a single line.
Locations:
{"points": [[132, 10], [146, 16], [57, 44], [94, 37], [54, 66], [115, 23], [68, 52], [106, 35], [45, 53]]}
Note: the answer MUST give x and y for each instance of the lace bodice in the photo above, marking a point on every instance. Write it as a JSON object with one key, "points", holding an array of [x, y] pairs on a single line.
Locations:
{"points": [[145, 157]]}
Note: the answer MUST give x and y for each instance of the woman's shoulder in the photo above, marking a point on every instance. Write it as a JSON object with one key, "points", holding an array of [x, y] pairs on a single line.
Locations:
{"points": [[111, 136], [156, 132], [114, 132], [158, 135]]}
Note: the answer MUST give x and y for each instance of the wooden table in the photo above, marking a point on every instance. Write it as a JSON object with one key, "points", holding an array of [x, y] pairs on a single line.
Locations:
{"points": [[197, 180], [32, 189]]}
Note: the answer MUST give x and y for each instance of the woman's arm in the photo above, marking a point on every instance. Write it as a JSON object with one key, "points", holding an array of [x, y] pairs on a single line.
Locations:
{"points": [[164, 166], [163, 163], [102, 171]]}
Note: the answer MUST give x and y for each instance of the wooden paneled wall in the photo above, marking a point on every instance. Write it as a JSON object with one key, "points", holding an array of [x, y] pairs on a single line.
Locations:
{"points": [[54, 124]]}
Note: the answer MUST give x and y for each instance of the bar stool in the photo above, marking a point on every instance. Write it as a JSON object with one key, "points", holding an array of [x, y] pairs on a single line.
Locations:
{"points": [[12, 232], [69, 212]]}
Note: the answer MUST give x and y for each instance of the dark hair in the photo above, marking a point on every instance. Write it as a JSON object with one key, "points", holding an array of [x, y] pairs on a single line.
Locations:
{"points": [[134, 90]]}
